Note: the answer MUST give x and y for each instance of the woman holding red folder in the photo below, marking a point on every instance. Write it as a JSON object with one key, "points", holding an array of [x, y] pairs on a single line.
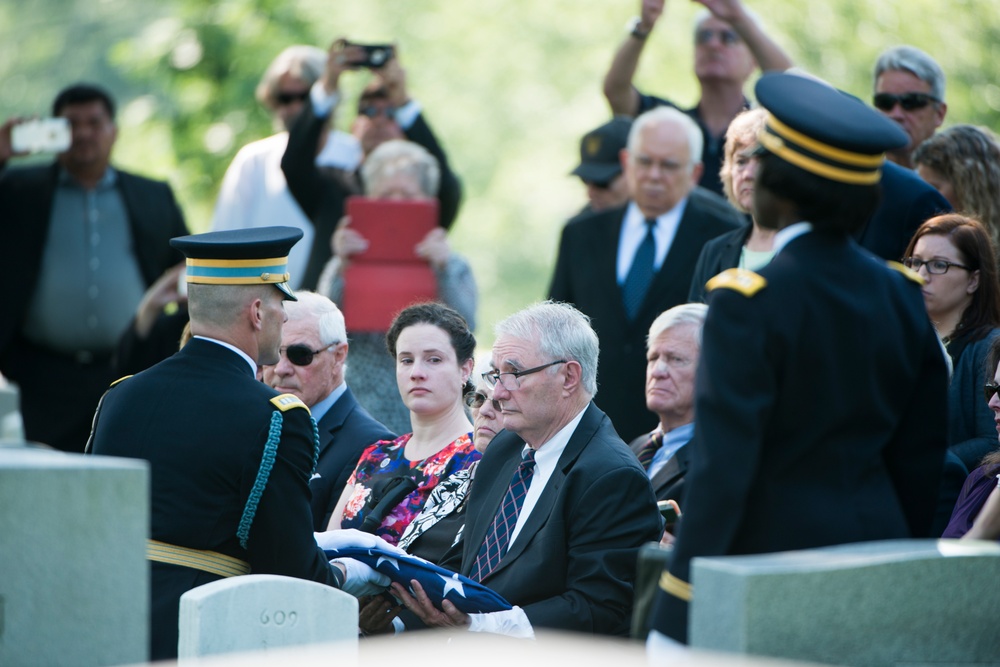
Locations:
{"points": [[399, 171]]}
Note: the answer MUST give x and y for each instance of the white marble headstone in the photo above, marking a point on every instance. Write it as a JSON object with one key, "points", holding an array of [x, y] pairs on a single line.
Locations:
{"points": [[74, 580], [896, 602], [262, 611]]}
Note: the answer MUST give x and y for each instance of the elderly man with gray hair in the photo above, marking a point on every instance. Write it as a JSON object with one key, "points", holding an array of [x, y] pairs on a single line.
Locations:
{"points": [[672, 352], [559, 506], [909, 89], [625, 266], [311, 365]]}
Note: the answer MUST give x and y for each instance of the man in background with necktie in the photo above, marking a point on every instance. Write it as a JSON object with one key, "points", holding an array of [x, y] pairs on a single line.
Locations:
{"points": [[559, 506], [671, 360], [625, 266]]}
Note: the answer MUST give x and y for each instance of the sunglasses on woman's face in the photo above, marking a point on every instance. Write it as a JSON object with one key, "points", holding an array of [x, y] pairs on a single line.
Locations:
{"points": [[302, 355], [989, 390]]}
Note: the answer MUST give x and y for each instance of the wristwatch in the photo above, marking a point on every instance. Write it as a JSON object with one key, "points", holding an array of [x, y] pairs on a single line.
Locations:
{"points": [[634, 28]]}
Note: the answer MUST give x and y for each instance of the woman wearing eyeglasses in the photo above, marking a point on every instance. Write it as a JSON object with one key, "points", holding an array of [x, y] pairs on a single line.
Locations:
{"points": [[954, 255], [433, 349], [977, 511]]}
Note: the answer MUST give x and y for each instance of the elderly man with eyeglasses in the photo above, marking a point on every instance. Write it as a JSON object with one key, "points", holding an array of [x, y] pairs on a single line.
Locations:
{"points": [[729, 43], [311, 366], [559, 506]]}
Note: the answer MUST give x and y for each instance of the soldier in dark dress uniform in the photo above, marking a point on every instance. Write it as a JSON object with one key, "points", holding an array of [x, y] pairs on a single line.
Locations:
{"points": [[230, 458], [821, 390]]}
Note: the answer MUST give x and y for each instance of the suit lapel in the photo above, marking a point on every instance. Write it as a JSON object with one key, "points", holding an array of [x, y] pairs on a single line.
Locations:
{"points": [[492, 494], [605, 250], [673, 469], [670, 272], [334, 419], [540, 513]]}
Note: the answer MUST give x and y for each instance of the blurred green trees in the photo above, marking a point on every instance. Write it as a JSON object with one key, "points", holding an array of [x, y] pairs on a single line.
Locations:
{"points": [[509, 85]]}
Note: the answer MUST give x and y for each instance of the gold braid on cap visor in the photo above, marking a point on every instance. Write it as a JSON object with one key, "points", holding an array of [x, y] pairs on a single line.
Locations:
{"points": [[818, 158]]}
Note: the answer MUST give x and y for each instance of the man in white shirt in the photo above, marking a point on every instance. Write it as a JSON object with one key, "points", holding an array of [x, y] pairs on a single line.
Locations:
{"points": [[566, 558]]}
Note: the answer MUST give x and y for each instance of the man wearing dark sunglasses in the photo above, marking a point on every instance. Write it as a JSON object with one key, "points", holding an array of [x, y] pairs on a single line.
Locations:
{"points": [[729, 43], [313, 356], [909, 88]]}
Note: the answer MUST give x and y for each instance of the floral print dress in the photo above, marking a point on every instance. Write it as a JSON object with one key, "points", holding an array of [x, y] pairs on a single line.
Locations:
{"points": [[387, 458]]}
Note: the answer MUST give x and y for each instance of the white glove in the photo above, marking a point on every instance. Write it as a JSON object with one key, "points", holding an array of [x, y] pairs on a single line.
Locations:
{"points": [[350, 537], [361, 579]]}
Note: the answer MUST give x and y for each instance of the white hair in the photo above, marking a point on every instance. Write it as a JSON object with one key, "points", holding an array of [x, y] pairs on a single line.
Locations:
{"points": [[329, 319], [560, 332], [663, 116], [688, 313]]}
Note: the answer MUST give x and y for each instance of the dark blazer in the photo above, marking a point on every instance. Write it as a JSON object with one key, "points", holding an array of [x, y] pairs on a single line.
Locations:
{"points": [[201, 419], [344, 432], [26, 197], [322, 195], [719, 254], [907, 202], [820, 419], [572, 567], [585, 275], [668, 482]]}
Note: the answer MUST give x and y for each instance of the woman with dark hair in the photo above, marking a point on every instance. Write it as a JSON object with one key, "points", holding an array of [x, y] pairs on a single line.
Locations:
{"points": [[954, 255], [977, 511], [433, 349]]}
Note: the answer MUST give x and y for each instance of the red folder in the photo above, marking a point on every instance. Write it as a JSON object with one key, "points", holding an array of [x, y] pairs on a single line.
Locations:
{"points": [[388, 276]]}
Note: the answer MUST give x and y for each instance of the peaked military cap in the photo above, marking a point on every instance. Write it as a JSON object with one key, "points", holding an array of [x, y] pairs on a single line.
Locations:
{"points": [[240, 256], [824, 131], [599, 149]]}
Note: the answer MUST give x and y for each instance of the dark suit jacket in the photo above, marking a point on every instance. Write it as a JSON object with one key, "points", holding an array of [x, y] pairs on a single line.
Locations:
{"points": [[907, 202], [26, 197], [719, 254], [322, 196], [668, 482], [585, 275], [344, 432], [820, 419], [201, 419], [572, 567]]}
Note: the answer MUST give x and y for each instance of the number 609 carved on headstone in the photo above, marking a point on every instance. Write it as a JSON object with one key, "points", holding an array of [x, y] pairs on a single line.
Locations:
{"points": [[278, 618]]}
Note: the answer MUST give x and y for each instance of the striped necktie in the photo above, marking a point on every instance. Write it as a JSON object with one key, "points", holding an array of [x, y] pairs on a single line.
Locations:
{"points": [[498, 536], [649, 449]]}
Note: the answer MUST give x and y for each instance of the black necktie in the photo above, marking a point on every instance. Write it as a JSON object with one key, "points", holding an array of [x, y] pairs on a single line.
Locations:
{"points": [[640, 274]]}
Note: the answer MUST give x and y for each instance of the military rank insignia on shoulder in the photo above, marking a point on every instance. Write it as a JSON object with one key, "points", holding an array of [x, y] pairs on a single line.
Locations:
{"points": [[907, 271], [286, 402], [743, 281]]}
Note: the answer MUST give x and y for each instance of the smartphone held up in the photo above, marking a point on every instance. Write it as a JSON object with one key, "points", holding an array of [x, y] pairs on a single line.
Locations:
{"points": [[41, 135]]}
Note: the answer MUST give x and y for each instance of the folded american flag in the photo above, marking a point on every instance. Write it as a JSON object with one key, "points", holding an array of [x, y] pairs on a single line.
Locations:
{"points": [[469, 596]]}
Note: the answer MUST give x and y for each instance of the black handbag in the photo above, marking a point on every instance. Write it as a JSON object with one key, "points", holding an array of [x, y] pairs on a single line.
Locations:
{"points": [[386, 494]]}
